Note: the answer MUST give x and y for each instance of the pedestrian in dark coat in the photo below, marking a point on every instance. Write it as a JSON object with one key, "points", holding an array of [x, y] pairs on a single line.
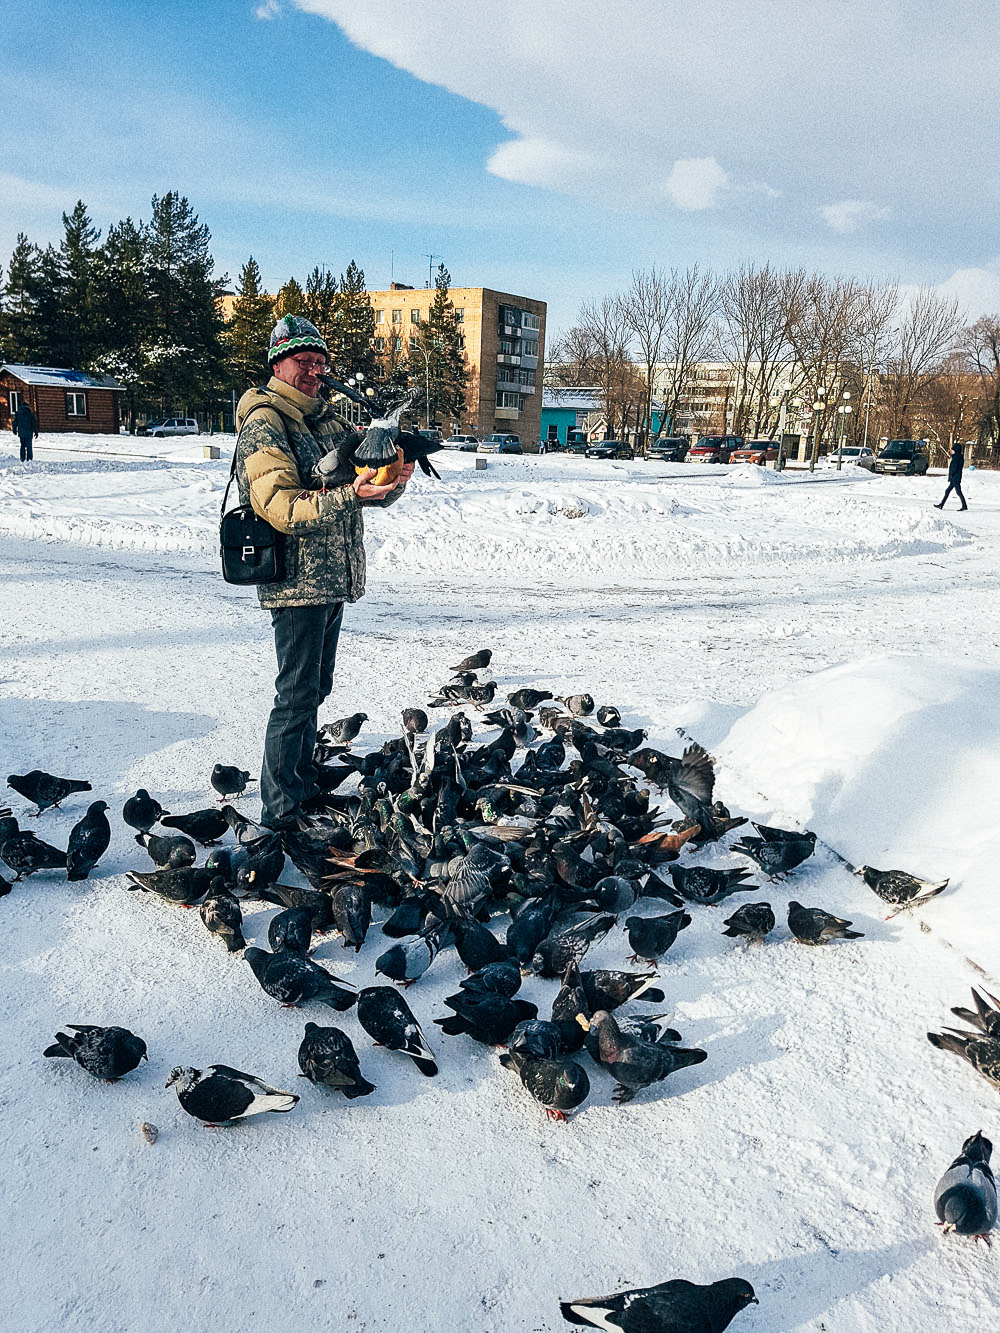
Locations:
{"points": [[955, 465], [25, 427]]}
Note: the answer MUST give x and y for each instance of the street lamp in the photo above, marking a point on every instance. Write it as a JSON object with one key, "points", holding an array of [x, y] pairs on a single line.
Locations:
{"points": [[782, 404], [819, 407], [843, 412]]}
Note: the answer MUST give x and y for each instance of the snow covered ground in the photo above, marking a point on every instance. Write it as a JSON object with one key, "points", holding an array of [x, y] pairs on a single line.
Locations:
{"points": [[834, 640]]}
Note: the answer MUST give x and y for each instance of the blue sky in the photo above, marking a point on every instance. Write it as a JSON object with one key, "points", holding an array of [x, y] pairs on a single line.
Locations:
{"points": [[545, 148]]}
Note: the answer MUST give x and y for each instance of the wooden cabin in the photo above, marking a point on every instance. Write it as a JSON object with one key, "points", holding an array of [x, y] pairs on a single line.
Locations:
{"points": [[62, 400]]}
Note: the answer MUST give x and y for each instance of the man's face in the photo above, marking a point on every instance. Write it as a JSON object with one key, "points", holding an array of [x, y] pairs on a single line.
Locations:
{"points": [[301, 370]]}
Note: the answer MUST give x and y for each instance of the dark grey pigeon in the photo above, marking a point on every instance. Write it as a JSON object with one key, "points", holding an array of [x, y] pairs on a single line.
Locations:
{"points": [[294, 979], [44, 789], [327, 1056], [415, 721], [173, 853], [223, 916], [537, 1038], [609, 989], [107, 1053], [811, 925], [142, 811], [291, 930], [752, 921], [205, 826], [25, 853], [965, 1198], [501, 978], [528, 698], [702, 884], [669, 1307], [477, 946], [982, 1053], [475, 661], [777, 855], [650, 937], [317, 904], [900, 889], [228, 780], [609, 716], [352, 912], [635, 1064], [986, 1017], [342, 731], [559, 1084], [390, 1022], [485, 1016], [568, 942], [689, 782], [184, 885], [222, 1094], [88, 841]]}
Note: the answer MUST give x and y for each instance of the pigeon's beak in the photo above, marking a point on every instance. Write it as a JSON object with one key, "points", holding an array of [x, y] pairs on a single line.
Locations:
{"points": [[858, 871]]}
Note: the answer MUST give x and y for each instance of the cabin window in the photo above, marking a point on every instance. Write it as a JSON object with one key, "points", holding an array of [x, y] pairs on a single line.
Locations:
{"points": [[15, 401], [76, 404]]}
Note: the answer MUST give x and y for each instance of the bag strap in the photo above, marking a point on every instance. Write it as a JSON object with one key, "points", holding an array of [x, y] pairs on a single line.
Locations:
{"points": [[257, 407]]}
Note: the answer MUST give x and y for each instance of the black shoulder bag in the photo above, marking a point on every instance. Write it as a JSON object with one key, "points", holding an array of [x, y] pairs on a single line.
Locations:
{"points": [[252, 551]]}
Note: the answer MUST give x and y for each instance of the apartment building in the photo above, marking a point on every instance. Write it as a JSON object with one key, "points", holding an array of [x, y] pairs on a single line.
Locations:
{"points": [[504, 341]]}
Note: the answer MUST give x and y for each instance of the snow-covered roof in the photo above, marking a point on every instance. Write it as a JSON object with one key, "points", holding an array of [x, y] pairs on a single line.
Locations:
{"points": [[573, 399], [54, 378]]}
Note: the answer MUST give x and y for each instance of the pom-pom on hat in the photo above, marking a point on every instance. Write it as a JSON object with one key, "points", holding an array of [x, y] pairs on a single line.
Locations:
{"points": [[291, 334]]}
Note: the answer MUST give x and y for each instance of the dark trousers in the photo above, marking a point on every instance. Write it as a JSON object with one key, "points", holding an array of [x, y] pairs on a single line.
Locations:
{"points": [[957, 488], [305, 642], [27, 453]]}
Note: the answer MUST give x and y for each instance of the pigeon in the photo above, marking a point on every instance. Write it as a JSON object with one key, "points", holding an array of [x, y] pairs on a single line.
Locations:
{"points": [[650, 937], [205, 826], [965, 1198], [486, 1016], [653, 1031], [982, 1053], [44, 789], [752, 921], [291, 930], [777, 855], [677, 1306], [635, 1064], [811, 925], [475, 662], [343, 730], [482, 694], [294, 979], [25, 853], [540, 1039], [498, 978], [222, 1095], [558, 1083], [389, 1021], [899, 889], [609, 990], [689, 782], [352, 912], [579, 705], [88, 841], [702, 884], [223, 916], [527, 698], [319, 905], [477, 946], [415, 721], [107, 1053], [185, 885], [327, 1055], [173, 853], [569, 942], [407, 962], [229, 780], [142, 811], [609, 716], [986, 1018]]}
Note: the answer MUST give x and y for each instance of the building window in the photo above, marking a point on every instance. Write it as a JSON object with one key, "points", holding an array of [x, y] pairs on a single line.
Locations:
{"points": [[397, 317], [461, 342], [379, 316], [76, 404], [460, 316], [414, 316], [529, 348], [529, 321], [525, 377], [15, 401], [509, 400], [397, 344]]}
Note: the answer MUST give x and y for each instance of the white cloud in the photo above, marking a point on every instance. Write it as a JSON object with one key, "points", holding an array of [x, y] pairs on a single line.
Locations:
{"points": [[852, 214], [977, 290], [695, 183], [268, 9], [542, 162]]}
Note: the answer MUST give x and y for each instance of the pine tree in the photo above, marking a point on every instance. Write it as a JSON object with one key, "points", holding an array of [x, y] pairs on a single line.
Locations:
{"points": [[446, 370], [291, 300], [18, 309], [77, 318], [249, 330], [352, 348], [121, 296], [50, 343], [320, 304]]}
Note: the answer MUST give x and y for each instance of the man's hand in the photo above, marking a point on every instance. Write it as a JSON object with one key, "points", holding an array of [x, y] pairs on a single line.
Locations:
{"points": [[406, 472], [364, 490]]}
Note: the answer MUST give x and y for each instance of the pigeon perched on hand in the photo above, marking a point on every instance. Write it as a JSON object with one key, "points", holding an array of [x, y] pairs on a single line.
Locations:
{"points": [[900, 889], [812, 925], [88, 841], [25, 853], [45, 790], [342, 731], [107, 1053], [752, 921], [650, 937], [229, 780], [294, 979], [965, 1198], [558, 1083], [173, 853], [390, 1022], [205, 826], [142, 811], [327, 1055], [222, 1094], [670, 1307]]}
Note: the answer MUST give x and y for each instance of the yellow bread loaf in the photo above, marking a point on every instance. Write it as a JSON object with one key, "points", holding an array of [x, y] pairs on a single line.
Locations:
{"points": [[386, 474]]}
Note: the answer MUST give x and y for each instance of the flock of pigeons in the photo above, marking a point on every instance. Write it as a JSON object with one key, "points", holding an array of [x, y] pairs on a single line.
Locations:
{"points": [[548, 826]]}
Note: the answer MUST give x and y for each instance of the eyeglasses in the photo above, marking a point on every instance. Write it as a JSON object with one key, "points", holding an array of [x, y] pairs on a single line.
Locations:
{"points": [[308, 365]]}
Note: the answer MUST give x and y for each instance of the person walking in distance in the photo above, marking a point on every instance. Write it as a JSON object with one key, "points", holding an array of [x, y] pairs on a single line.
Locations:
{"points": [[285, 428], [955, 465], [25, 427]]}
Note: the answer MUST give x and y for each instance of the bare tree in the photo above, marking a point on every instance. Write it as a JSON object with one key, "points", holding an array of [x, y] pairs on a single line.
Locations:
{"points": [[572, 358], [621, 387], [981, 345], [691, 335], [928, 331], [754, 335], [647, 308]]}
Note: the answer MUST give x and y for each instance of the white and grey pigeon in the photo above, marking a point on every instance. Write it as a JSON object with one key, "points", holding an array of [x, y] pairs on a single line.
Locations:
{"points": [[965, 1198], [221, 1094]]}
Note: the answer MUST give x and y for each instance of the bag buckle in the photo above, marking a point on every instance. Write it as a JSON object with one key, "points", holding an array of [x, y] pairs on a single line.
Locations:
{"points": [[248, 552]]}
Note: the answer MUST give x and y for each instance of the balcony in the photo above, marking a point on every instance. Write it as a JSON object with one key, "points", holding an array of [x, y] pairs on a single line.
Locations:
{"points": [[505, 359]]}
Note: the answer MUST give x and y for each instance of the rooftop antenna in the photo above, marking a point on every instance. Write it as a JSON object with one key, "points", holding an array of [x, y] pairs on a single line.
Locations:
{"points": [[430, 268]]}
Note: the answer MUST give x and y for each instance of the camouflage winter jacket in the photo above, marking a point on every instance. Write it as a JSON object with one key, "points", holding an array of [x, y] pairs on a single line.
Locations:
{"points": [[282, 436]]}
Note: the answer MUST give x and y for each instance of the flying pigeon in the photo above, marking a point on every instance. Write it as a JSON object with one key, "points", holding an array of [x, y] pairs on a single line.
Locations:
{"points": [[172, 853], [965, 1198], [222, 1095], [44, 789], [205, 826], [229, 780], [294, 979], [811, 925], [635, 1064], [223, 916], [752, 921], [689, 782], [899, 889], [25, 853], [327, 1055], [88, 841], [650, 937], [677, 1306], [389, 1021], [558, 1083], [107, 1053], [142, 811], [342, 731]]}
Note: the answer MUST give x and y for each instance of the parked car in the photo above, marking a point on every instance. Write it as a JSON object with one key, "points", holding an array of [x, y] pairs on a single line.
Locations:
{"points": [[610, 449], [432, 433], [576, 441], [755, 451], [911, 457], [466, 444], [668, 449], [170, 426], [501, 444], [857, 455], [714, 448]]}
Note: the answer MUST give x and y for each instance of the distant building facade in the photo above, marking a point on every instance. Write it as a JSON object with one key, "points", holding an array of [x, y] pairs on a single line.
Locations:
{"points": [[62, 400], [503, 340]]}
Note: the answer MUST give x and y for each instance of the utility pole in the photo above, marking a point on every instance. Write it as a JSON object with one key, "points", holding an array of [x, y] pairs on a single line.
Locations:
{"points": [[430, 268]]}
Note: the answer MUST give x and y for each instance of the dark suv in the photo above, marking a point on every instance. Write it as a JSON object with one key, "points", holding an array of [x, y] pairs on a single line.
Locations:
{"points": [[668, 449], [910, 457]]}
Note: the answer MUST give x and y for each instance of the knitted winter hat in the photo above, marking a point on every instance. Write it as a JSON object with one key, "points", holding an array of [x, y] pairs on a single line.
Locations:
{"points": [[291, 334]]}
